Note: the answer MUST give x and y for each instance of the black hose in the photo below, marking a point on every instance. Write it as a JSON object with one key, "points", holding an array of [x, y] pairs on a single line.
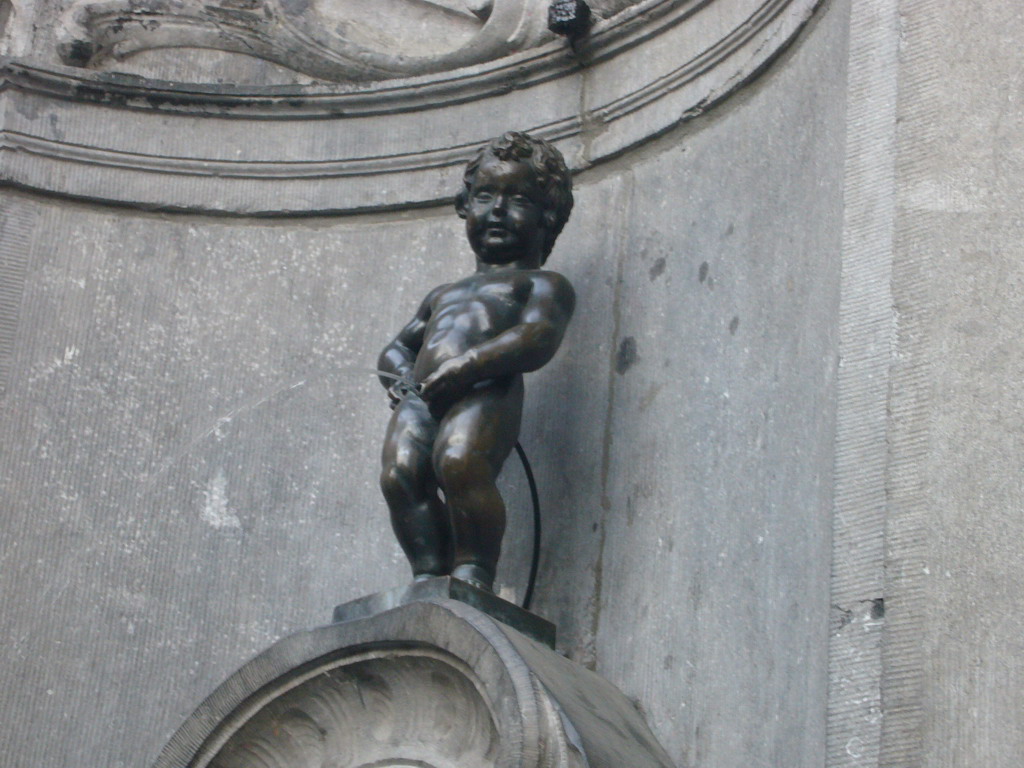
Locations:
{"points": [[535, 498]]}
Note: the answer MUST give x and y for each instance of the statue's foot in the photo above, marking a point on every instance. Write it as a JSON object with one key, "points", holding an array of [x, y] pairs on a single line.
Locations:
{"points": [[474, 574]]}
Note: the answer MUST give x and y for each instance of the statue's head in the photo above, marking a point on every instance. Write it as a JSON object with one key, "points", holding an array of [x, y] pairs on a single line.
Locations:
{"points": [[551, 176]]}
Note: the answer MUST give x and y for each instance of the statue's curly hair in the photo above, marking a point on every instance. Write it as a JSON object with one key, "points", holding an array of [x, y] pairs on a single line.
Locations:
{"points": [[553, 178]]}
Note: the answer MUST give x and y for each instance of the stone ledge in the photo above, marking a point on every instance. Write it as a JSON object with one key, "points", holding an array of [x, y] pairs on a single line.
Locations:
{"points": [[445, 587]]}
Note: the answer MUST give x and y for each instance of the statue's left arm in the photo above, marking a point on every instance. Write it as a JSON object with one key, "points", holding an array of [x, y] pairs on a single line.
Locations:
{"points": [[524, 347]]}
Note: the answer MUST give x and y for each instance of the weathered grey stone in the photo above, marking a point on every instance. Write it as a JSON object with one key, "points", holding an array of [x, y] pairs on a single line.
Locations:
{"points": [[188, 456], [953, 685], [181, 146], [189, 459], [866, 325], [344, 40], [183, 438], [927, 650], [447, 588], [434, 683]]}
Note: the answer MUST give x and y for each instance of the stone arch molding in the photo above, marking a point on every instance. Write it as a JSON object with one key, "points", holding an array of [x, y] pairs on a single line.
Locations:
{"points": [[394, 134]]}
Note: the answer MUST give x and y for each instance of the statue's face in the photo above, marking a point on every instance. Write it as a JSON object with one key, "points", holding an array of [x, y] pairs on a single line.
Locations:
{"points": [[504, 218]]}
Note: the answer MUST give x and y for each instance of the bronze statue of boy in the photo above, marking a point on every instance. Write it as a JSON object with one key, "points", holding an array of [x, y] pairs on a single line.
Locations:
{"points": [[465, 352]]}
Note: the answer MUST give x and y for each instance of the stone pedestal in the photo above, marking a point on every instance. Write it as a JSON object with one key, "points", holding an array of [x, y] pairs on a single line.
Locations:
{"points": [[434, 682], [445, 587]]}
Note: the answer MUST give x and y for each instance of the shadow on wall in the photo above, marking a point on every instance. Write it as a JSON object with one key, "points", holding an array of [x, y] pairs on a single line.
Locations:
{"points": [[5, 14]]}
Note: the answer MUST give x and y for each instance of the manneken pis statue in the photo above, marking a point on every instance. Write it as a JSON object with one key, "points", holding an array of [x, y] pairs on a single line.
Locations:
{"points": [[461, 361]]}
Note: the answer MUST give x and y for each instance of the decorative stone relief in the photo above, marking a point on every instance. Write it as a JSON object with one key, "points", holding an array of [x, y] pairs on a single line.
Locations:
{"points": [[343, 40], [333, 40], [371, 145], [390, 707]]}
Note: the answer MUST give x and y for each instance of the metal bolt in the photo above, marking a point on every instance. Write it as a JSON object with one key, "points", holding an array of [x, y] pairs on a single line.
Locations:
{"points": [[570, 18]]}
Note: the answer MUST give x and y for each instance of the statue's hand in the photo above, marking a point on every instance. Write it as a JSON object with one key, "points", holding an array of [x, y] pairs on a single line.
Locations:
{"points": [[397, 392], [451, 379]]}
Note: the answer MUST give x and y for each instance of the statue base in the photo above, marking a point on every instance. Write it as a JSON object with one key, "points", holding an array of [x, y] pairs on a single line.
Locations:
{"points": [[434, 682], [449, 588]]}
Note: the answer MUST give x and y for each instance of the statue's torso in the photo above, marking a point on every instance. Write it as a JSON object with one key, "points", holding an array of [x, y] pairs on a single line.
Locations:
{"points": [[470, 312]]}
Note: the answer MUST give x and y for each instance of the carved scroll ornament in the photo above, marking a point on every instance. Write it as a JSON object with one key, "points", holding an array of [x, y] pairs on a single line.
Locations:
{"points": [[351, 40]]}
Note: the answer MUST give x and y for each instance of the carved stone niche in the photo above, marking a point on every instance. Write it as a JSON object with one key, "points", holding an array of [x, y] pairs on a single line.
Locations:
{"points": [[393, 132], [432, 684]]}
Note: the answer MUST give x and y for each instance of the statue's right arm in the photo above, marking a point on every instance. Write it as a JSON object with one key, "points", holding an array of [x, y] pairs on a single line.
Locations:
{"points": [[399, 357]]}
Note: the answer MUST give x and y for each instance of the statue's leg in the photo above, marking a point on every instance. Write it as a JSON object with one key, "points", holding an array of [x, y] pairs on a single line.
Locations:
{"points": [[407, 479], [475, 437]]}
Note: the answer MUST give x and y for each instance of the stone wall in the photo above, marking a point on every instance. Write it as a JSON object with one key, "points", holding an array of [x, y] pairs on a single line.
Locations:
{"points": [[190, 436], [192, 453], [957, 417]]}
